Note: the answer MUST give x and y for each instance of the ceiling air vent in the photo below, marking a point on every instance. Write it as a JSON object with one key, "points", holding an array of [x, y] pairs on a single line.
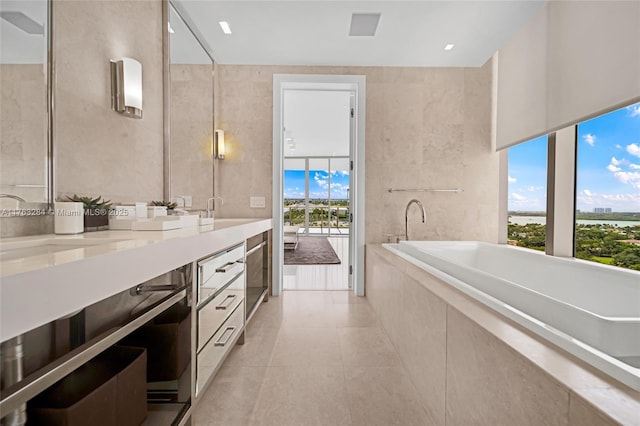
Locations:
{"points": [[364, 24]]}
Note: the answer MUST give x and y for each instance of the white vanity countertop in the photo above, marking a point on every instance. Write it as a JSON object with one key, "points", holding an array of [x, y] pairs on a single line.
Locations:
{"points": [[48, 284]]}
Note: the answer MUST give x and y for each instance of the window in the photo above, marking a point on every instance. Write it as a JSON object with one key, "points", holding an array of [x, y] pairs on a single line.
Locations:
{"points": [[527, 194], [316, 195], [608, 188]]}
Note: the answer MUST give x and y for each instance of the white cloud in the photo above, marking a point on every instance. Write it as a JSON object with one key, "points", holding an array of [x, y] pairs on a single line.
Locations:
{"points": [[289, 193], [631, 178], [633, 149], [625, 176], [589, 138], [618, 202], [534, 188], [512, 179], [634, 110], [618, 146], [520, 202], [321, 180]]}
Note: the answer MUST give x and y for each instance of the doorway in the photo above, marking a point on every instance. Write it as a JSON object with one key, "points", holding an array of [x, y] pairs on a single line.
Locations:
{"points": [[318, 183], [316, 220]]}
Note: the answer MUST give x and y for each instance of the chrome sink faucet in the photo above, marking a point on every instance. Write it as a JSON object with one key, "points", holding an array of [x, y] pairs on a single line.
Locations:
{"points": [[406, 212], [212, 202]]}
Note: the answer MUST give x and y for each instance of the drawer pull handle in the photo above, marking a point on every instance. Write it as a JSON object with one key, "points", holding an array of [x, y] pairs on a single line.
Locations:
{"points": [[226, 302], [149, 288], [226, 268], [220, 341]]}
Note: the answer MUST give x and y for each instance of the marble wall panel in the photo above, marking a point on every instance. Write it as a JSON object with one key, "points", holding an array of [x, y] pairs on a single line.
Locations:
{"points": [[425, 128], [101, 152]]}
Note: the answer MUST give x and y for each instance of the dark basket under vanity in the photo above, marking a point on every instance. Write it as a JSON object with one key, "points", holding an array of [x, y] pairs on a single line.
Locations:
{"points": [[109, 390], [168, 342]]}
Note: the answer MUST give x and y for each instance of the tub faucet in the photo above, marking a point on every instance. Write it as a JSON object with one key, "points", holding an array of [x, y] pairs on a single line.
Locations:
{"points": [[17, 199], [13, 197], [212, 202], [406, 212]]}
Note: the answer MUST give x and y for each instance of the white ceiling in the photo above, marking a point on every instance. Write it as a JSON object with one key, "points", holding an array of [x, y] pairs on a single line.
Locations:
{"points": [[316, 123], [410, 33], [184, 47], [16, 46]]}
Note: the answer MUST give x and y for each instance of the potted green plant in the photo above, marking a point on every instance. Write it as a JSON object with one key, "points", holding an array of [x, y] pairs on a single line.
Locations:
{"points": [[96, 212]]}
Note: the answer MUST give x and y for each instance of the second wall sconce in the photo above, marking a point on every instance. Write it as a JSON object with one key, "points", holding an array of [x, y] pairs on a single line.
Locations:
{"points": [[218, 145], [126, 87]]}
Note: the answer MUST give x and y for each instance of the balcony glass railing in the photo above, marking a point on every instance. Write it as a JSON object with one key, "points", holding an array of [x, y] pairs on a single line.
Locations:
{"points": [[322, 219]]}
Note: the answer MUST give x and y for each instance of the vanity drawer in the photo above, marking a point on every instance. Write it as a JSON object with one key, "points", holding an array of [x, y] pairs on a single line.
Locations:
{"points": [[214, 351], [217, 270], [213, 314]]}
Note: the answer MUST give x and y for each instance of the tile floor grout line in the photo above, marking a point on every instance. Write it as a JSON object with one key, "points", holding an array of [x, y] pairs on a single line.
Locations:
{"points": [[327, 301], [253, 418]]}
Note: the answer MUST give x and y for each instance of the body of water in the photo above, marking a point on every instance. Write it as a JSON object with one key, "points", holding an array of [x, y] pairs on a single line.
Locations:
{"points": [[524, 220]]}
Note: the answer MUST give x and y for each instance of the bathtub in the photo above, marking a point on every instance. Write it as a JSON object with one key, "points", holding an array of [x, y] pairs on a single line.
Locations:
{"points": [[588, 309]]}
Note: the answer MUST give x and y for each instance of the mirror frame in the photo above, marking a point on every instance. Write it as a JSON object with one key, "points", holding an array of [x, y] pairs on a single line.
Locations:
{"points": [[166, 68], [51, 160], [46, 207]]}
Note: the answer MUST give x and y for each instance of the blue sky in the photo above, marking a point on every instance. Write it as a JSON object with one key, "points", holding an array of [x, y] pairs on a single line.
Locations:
{"points": [[318, 184], [608, 165]]}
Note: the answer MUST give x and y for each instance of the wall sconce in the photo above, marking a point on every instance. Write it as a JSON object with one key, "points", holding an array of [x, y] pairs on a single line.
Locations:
{"points": [[218, 145], [126, 87]]}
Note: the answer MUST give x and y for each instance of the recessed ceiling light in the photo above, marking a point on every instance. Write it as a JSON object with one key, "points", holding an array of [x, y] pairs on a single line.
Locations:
{"points": [[225, 27], [448, 46], [364, 24], [23, 22]]}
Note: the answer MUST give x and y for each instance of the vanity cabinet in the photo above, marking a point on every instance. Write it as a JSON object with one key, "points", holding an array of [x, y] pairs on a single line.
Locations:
{"points": [[231, 285], [105, 359], [258, 271], [186, 318], [220, 308]]}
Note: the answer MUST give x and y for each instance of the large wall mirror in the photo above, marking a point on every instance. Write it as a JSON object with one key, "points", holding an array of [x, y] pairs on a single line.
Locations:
{"points": [[191, 114], [25, 166]]}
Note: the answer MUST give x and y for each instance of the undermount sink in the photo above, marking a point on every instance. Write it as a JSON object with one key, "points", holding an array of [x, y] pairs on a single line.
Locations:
{"points": [[11, 250]]}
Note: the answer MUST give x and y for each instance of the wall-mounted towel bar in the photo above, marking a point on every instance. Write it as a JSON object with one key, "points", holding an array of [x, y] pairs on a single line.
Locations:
{"points": [[425, 190]]}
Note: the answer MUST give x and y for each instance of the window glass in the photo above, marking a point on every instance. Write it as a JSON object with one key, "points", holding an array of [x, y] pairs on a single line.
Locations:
{"points": [[527, 194], [608, 188]]}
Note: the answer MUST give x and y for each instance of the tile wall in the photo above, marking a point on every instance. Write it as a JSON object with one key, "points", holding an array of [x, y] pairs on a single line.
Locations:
{"points": [[98, 151], [425, 128]]}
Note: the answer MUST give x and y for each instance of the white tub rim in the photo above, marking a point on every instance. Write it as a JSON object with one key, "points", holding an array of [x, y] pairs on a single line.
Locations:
{"points": [[621, 371]]}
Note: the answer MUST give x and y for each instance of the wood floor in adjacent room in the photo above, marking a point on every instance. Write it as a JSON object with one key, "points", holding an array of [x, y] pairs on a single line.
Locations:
{"points": [[312, 357]]}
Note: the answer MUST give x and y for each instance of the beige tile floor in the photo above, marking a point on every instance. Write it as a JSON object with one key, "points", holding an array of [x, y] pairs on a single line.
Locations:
{"points": [[312, 358]]}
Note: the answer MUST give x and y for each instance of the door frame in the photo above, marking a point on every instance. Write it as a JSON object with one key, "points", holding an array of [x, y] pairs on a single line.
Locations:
{"points": [[357, 84]]}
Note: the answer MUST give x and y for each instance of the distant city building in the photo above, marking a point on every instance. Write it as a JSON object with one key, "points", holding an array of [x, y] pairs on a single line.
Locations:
{"points": [[602, 210]]}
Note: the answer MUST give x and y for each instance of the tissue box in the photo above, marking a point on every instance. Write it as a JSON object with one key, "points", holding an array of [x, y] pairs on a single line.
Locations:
{"points": [[141, 210]]}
